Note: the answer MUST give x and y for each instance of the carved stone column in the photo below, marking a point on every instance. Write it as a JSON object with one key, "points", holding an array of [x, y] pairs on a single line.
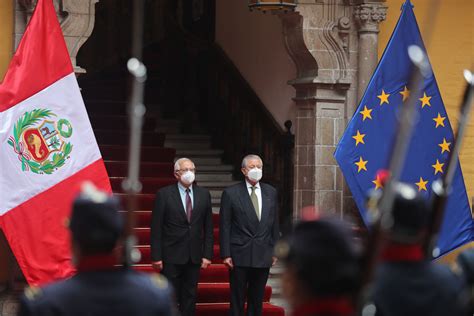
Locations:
{"points": [[319, 125], [76, 18], [368, 17], [322, 38]]}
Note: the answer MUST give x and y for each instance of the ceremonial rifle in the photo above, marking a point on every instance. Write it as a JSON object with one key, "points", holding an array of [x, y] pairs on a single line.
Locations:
{"points": [[442, 187], [136, 111], [380, 207]]}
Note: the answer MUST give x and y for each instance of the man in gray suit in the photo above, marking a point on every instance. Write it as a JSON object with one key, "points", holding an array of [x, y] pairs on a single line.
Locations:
{"points": [[248, 231]]}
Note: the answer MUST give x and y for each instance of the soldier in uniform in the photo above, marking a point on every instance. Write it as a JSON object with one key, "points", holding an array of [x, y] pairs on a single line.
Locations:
{"points": [[322, 268], [406, 283], [100, 287]]}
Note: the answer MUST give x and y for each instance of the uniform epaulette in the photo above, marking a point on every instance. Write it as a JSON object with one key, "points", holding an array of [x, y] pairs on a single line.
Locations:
{"points": [[160, 281], [33, 292]]}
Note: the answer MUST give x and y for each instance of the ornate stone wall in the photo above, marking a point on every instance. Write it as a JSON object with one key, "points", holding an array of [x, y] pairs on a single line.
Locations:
{"points": [[334, 46], [76, 18]]}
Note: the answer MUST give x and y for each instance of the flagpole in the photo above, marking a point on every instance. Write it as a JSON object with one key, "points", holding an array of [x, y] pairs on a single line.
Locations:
{"points": [[380, 207], [442, 187], [136, 111]]}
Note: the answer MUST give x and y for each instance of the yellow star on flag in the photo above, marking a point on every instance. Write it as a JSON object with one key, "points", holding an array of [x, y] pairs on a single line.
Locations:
{"points": [[444, 146], [425, 100], [359, 138], [405, 93], [366, 113], [378, 183], [383, 97], [421, 184], [439, 120], [361, 164], [438, 167]]}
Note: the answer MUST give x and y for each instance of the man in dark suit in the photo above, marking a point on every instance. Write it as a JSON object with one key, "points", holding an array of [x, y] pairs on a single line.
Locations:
{"points": [[248, 232], [182, 234]]}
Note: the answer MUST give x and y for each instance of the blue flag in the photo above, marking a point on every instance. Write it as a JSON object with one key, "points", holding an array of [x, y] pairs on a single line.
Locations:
{"points": [[366, 144]]}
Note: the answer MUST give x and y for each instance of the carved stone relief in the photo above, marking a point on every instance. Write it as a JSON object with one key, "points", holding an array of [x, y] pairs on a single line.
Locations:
{"points": [[76, 18]]}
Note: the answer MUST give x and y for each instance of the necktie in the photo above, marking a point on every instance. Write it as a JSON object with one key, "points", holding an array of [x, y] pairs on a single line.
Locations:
{"points": [[189, 206], [254, 199]]}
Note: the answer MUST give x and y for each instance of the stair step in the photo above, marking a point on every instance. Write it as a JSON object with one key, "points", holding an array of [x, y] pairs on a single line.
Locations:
{"points": [[168, 126], [118, 122], [222, 309], [146, 254], [111, 137], [277, 269], [215, 169], [215, 273], [275, 283], [220, 293], [143, 218], [199, 153], [150, 185], [188, 137], [215, 194], [150, 169], [279, 302], [217, 184], [185, 145], [201, 161], [206, 176], [144, 201], [148, 153], [143, 235]]}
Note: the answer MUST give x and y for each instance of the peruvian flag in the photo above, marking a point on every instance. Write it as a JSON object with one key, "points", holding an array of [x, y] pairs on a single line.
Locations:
{"points": [[47, 149]]}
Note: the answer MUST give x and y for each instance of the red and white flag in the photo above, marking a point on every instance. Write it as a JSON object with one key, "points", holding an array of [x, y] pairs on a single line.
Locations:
{"points": [[47, 149]]}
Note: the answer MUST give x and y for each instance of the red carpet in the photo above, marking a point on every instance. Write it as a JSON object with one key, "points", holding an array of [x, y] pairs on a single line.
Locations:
{"points": [[110, 125]]}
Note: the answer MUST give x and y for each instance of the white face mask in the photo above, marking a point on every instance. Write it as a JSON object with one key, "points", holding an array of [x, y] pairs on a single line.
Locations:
{"points": [[188, 177], [255, 174]]}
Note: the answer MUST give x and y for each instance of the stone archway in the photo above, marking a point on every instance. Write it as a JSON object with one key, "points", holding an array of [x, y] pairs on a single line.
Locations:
{"points": [[334, 46]]}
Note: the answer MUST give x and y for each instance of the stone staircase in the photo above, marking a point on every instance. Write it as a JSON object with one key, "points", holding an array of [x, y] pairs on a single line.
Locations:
{"points": [[164, 140]]}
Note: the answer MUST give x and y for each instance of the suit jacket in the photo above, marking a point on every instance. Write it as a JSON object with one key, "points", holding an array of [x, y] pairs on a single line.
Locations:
{"points": [[173, 239], [243, 237]]}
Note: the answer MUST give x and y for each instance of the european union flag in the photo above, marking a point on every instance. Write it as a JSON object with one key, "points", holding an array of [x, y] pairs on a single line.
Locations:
{"points": [[365, 146]]}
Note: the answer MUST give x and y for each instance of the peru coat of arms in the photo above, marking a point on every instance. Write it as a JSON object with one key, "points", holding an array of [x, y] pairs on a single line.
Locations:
{"points": [[40, 141]]}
